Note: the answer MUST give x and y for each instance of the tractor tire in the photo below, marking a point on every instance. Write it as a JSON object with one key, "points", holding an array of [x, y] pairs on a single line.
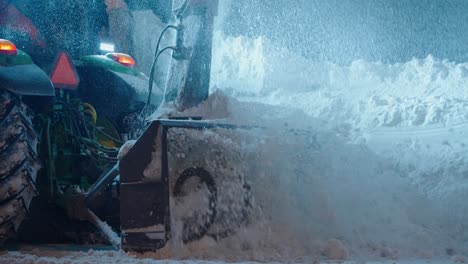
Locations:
{"points": [[19, 163]]}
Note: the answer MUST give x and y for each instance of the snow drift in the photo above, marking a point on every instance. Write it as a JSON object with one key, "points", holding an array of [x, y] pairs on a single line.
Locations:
{"points": [[413, 113], [365, 94]]}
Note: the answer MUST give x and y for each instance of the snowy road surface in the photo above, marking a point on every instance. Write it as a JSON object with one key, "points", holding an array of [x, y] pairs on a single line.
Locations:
{"points": [[110, 257]]}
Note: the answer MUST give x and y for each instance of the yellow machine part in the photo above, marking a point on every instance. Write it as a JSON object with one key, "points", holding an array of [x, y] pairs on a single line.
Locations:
{"points": [[106, 133], [89, 110]]}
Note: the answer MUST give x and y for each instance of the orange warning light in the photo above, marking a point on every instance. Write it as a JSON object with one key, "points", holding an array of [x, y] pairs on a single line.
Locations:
{"points": [[7, 48], [123, 59]]}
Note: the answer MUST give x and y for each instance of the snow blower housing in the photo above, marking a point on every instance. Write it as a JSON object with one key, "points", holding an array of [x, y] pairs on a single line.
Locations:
{"points": [[145, 172], [155, 171]]}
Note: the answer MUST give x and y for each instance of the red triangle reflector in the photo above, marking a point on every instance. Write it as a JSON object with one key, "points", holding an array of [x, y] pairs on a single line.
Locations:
{"points": [[63, 74]]}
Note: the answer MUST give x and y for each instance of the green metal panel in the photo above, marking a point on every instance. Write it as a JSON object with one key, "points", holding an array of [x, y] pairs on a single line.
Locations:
{"points": [[22, 58], [108, 63]]}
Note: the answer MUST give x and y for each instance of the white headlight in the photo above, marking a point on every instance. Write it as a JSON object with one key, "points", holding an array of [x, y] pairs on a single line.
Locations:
{"points": [[107, 47]]}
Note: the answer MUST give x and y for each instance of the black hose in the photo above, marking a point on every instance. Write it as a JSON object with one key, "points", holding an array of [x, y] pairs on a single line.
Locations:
{"points": [[72, 112], [85, 140], [152, 73], [161, 36], [105, 134], [101, 147], [88, 136], [157, 53], [148, 103]]}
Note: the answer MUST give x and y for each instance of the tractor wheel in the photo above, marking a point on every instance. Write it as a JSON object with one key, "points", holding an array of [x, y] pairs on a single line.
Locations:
{"points": [[19, 163]]}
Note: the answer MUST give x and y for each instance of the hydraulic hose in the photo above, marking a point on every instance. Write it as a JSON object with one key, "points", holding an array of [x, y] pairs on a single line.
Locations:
{"points": [[148, 103], [86, 139], [161, 36], [157, 53], [152, 74]]}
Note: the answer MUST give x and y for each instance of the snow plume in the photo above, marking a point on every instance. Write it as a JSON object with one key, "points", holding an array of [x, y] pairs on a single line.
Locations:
{"points": [[363, 94], [308, 184]]}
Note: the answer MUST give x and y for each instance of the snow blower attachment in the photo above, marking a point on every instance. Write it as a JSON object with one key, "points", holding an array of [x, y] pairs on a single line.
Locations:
{"points": [[156, 173], [173, 187]]}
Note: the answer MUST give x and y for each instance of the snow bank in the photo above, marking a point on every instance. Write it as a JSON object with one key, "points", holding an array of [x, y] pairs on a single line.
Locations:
{"points": [[414, 114], [364, 94], [410, 118]]}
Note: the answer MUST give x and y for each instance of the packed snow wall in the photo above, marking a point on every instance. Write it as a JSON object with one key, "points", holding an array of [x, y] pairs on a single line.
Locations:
{"points": [[418, 106], [410, 115]]}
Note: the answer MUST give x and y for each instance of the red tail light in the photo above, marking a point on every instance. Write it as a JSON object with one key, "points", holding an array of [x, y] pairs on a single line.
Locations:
{"points": [[123, 59], [7, 48]]}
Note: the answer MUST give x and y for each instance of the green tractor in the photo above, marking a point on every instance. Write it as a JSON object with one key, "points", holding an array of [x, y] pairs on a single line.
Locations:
{"points": [[64, 114], [66, 118], [60, 131], [73, 132]]}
